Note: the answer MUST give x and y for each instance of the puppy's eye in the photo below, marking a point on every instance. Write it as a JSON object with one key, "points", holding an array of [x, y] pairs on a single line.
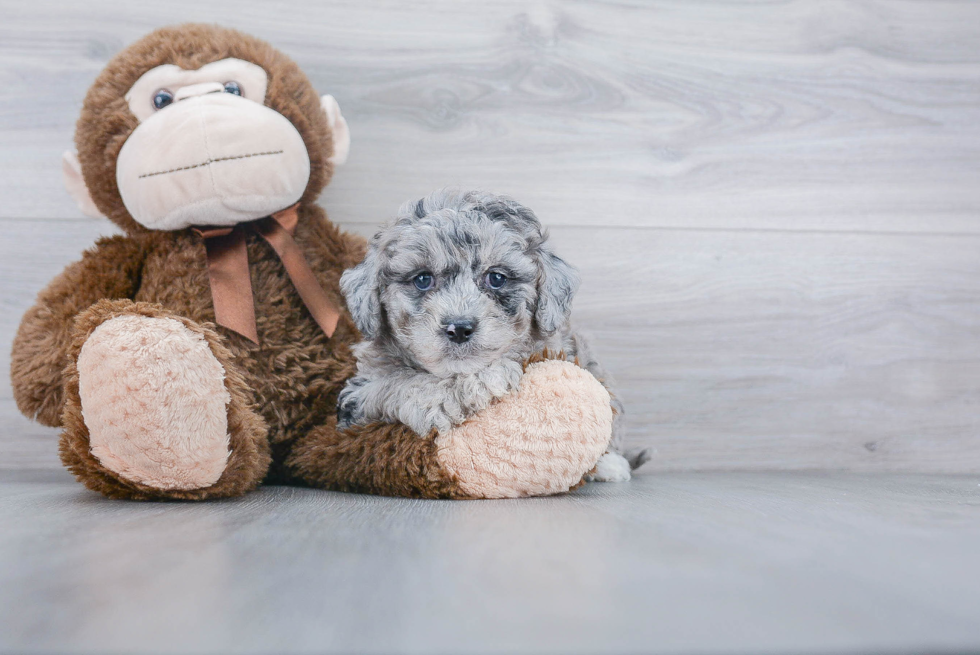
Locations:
{"points": [[233, 88], [495, 280], [423, 281], [162, 98]]}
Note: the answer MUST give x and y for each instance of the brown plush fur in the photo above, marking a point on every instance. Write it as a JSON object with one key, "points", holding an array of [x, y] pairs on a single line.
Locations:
{"points": [[284, 392], [350, 464], [109, 270]]}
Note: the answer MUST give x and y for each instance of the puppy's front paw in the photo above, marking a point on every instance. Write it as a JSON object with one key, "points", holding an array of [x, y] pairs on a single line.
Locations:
{"points": [[424, 420], [474, 393], [349, 407], [345, 415], [612, 467], [500, 379], [438, 420]]}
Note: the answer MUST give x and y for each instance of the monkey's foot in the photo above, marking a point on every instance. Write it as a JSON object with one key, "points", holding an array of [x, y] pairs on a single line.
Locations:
{"points": [[153, 398], [541, 439], [155, 408]]}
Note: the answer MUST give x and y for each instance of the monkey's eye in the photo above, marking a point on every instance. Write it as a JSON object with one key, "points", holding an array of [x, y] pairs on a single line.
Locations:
{"points": [[162, 98], [233, 87], [423, 281], [495, 279]]}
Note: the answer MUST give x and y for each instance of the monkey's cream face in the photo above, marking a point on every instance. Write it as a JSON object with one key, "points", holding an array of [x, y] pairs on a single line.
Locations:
{"points": [[207, 150], [458, 292]]}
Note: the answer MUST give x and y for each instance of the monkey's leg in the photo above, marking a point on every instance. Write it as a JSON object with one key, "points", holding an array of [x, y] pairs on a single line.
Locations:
{"points": [[156, 409], [540, 440]]}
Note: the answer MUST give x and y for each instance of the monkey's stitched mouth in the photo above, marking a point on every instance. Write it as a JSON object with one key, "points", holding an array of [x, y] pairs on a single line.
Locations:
{"points": [[212, 161]]}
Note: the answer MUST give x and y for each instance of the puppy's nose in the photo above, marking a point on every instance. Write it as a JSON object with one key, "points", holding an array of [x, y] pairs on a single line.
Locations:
{"points": [[459, 330]]}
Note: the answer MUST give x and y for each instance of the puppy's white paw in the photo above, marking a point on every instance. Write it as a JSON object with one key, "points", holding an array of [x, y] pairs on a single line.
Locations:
{"points": [[612, 467], [500, 378], [421, 423]]}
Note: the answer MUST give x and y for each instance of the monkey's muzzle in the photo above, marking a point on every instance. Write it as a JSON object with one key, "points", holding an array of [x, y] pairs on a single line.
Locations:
{"points": [[216, 159]]}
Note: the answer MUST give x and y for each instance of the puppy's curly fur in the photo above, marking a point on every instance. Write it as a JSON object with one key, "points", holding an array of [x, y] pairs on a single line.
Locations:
{"points": [[453, 295]]}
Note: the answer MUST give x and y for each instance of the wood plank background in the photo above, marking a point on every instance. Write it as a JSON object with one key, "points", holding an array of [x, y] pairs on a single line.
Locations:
{"points": [[775, 205]]}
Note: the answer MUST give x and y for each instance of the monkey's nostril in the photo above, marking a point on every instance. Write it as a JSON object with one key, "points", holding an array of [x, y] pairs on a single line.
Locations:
{"points": [[459, 330]]}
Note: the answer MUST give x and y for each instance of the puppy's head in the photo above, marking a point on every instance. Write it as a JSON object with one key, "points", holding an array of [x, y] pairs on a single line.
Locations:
{"points": [[459, 279]]}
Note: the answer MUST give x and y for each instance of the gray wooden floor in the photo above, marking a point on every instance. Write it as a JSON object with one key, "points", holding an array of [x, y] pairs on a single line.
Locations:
{"points": [[669, 563], [776, 211]]}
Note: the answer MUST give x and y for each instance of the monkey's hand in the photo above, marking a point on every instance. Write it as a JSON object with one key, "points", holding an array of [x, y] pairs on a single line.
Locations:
{"points": [[541, 439], [110, 270]]}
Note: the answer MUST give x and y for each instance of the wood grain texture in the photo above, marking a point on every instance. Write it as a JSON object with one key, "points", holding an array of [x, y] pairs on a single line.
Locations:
{"points": [[778, 350], [821, 115], [732, 350], [672, 563]]}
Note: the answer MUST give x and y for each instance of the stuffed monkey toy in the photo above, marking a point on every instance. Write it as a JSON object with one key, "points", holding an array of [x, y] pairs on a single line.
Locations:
{"points": [[201, 353]]}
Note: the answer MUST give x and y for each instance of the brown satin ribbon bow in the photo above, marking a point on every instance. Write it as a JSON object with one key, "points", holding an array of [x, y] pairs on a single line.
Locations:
{"points": [[231, 285]]}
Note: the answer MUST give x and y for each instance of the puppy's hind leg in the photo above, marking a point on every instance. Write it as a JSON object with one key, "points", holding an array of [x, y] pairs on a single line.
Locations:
{"points": [[612, 467], [616, 464]]}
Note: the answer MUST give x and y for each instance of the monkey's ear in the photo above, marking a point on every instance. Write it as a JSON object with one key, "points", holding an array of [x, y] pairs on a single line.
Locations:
{"points": [[557, 284], [360, 287], [72, 170], [338, 125]]}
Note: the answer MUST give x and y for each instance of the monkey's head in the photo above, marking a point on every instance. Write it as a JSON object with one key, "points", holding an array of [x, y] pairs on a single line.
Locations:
{"points": [[201, 125]]}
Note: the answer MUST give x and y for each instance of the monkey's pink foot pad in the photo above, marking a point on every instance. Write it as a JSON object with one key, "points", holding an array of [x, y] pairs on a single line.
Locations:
{"points": [[539, 440], [154, 402]]}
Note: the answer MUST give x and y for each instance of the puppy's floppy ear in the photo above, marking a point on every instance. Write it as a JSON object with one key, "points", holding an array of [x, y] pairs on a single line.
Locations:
{"points": [[557, 280], [557, 284], [360, 287]]}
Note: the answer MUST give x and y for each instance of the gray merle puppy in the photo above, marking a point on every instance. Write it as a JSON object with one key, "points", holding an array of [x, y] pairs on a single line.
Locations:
{"points": [[453, 295]]}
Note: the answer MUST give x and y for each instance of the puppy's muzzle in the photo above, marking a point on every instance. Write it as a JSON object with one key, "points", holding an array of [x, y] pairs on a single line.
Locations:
{"points": [[459, 330]]}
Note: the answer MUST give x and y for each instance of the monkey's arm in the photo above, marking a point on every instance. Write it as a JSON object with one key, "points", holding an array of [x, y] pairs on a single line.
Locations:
{"points": [[541, 440], [109, 270], [387, 459]]}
